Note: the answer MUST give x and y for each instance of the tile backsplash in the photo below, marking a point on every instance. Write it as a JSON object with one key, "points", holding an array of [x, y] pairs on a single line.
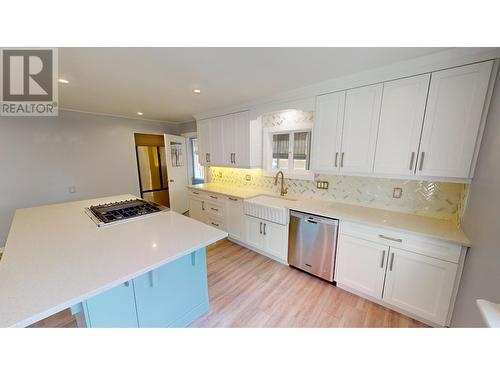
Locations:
{"points": [[443, 200]]}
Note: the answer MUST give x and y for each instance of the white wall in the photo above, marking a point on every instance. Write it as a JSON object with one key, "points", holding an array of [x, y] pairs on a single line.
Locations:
{"points": [[40, 157], [481, 277]]}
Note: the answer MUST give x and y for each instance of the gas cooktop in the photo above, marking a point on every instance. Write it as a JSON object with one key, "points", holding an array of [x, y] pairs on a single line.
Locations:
{"points": [[118, 212]]}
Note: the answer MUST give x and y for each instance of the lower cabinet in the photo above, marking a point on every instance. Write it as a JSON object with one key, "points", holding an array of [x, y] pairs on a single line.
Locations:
{"points": [[113, 308], [173, 295], [409, 278], [234, 218], [419, 284], [361, 265], [268, 237], [197, 209]]}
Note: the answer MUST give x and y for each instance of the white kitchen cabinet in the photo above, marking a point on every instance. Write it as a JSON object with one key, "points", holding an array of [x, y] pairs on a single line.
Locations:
{"points": [[401, 120], [359, 133], [203, 130], [216, 141], [275, 240], [266, 237], [234, 218], [197, 209], [327, 134], [452, 121], [420, 284], [361, 265], [231, 141], [253, 229]]}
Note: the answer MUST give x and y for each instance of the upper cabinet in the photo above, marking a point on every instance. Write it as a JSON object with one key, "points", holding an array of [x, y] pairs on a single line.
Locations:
{"points": [[359, 134], [345, 131], [401, 119], [450, 135], [428, 125], [327, 134], [231, 140]]}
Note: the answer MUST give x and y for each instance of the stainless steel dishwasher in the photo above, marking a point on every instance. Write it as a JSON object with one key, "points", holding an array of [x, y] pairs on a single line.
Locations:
{"points": [[312, 243]]}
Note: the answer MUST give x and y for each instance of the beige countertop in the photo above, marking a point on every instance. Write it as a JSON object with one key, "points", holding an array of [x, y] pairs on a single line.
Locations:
{"points": [[409, 223]]}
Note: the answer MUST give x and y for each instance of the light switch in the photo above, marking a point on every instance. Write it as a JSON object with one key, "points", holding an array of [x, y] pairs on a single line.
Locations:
{"points": [[397, 192], [322, 185], [248, 177]]}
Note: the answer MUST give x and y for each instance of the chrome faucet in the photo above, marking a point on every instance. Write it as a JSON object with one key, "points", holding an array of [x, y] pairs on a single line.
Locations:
{"points": [[283, 190]]}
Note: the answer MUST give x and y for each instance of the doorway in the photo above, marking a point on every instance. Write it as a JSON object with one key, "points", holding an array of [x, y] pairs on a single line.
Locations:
{"points": [[152, 168]]}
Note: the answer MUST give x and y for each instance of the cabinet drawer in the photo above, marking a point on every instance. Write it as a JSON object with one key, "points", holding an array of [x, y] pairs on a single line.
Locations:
{"points": [[216, 223], [215, 210], [211, 197], [420, 245], [196, 193]]}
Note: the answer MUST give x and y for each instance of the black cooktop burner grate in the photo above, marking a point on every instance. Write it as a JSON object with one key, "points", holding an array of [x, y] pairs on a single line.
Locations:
{"points": [[117, 211]]}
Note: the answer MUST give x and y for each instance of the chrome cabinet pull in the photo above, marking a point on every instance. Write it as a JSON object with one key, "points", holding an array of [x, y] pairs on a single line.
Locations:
{"points": [[390, 238], [411, 160], [214, 197], [382, 260], [234, 158], [342, 160], [208, 157], [421, 161], [193, 258], [214, 209], [126, 284], [195, 192], [203, 205], [336, 158], [310, 221], [391, 262], [233, 199], [260, 228], [217, 225], [265, 229]]}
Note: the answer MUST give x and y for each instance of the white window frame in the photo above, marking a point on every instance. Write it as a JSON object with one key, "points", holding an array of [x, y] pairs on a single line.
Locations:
{"points": [[267, 161]]}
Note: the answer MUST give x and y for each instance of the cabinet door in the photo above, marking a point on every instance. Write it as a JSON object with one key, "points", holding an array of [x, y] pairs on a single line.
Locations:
{"points": [[452, 120], [228, 139], [359, 134], [203, 130], [253, 229], [401, 119], [174, 294], [235, 218], [216, 141], [196, 209], [114, 308], [275, 239], [327, 132], [419, 284], [361, 265], [242, 144]]}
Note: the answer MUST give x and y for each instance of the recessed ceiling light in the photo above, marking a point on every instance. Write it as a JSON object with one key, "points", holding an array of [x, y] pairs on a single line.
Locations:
{"points": [[197, 91], [140, 113], [63, 80]]}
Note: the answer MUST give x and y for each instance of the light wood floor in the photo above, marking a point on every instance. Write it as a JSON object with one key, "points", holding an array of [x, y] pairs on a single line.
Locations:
{"points": [[247, 289]]}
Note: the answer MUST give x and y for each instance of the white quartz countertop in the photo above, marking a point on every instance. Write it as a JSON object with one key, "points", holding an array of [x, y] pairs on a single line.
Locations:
{"points": [[56, 256], [409, 223]]}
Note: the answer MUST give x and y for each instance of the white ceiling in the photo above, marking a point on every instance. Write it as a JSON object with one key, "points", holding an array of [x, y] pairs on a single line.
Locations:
{"points": [[159, 81]]}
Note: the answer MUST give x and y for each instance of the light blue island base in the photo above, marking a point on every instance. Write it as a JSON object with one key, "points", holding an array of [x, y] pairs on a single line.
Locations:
{"points": [[173, 295]]}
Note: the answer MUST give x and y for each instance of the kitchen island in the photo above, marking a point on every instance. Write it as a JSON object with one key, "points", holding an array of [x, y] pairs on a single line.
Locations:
{"points": [[56, 257]]}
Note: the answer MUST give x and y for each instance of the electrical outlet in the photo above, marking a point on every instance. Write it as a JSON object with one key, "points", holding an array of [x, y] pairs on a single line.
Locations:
{"points": [[219, 174], [322, 185], [397, 192], [248, 177]]}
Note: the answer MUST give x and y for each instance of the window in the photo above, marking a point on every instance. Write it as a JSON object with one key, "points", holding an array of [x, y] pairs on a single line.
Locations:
{"points": [[291, 151], [198, 170]]}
